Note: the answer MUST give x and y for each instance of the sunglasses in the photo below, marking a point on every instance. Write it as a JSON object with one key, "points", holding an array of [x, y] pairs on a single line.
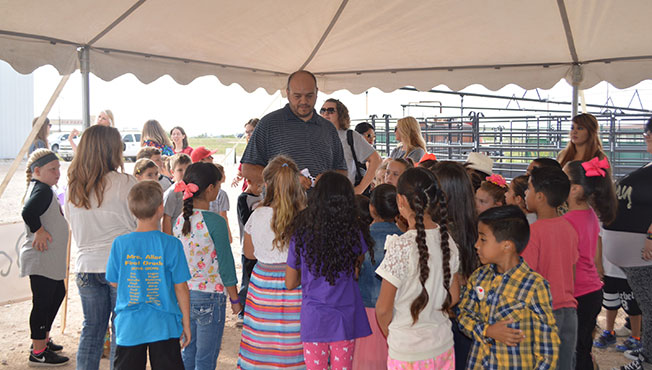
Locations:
{"points": [[370, 136], [330, 110]]}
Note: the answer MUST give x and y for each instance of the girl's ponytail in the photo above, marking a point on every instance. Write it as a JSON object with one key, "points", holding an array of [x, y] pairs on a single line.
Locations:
{"points": [[598, 189], [442, 221], [202, 175], [424, 270]]}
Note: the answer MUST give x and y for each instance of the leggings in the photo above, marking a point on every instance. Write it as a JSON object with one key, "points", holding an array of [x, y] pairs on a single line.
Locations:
{"points": [[339, 353], [639, 279], [47, 295], [588, 308]]}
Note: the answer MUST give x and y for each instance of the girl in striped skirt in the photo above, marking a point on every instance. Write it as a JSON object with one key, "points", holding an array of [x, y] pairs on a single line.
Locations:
{"points": [[270, 334]]}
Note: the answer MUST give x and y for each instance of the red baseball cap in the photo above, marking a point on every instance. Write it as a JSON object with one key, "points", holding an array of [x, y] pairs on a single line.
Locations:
{"points": [[200, 153]]}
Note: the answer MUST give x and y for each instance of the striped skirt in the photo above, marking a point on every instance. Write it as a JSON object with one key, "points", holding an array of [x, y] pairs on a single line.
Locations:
{"points": [[270, 333]]}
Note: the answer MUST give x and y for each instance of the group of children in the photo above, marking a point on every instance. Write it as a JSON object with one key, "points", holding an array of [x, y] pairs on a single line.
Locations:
{"points": [[331, 286]]}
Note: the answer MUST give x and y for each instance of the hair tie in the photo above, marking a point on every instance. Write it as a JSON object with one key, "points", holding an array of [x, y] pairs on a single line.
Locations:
{"points": [[43, 161], [497, 179], [284, 165], [188, 190], [596, 167]]}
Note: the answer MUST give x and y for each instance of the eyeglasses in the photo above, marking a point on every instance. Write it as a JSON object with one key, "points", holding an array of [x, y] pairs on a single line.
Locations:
{"points": [[330, 110], [370, 136]]}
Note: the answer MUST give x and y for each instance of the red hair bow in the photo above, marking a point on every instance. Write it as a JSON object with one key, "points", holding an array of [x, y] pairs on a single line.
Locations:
{"points": [[428, 157], [596, 167], [188, 190]]}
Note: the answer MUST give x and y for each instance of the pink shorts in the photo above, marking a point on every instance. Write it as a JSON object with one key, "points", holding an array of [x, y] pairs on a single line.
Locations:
{"points": [[445, 361], [318, 354]]}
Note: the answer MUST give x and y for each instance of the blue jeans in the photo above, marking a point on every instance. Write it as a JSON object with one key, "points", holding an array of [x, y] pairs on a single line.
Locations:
{"points": [[207, 311], [98, 301], [566, 319]]}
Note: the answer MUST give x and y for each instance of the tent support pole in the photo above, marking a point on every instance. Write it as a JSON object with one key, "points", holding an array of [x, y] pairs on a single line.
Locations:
{"points": [[32, 135], [576, 79], [84, 63]]}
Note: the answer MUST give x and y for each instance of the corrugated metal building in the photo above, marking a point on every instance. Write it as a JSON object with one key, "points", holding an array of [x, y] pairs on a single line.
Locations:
{"points": [[16, 109]]}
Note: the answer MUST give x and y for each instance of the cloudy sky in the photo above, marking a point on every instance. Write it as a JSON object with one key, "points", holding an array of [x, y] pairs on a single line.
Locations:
{"points": [[207, 106]]}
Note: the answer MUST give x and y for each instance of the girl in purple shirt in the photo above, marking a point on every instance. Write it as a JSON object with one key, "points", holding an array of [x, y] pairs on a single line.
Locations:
{"points": [[325, 254]]}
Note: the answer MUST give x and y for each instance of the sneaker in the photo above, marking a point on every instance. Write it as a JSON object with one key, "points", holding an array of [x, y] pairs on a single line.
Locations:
{"points": [[634, 365], [46, 358], [633, 354], [51, 346], [605, 340], [629, 344], [623, 331]]}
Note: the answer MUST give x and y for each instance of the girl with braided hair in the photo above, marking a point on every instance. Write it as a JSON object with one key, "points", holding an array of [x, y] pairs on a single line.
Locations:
{"points": [[419, 274], [206, 245]]}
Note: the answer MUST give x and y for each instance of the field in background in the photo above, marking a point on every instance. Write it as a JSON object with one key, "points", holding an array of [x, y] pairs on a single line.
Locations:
{"points": [[220, 143]]}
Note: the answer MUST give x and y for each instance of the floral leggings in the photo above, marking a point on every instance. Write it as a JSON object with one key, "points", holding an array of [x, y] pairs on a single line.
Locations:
{"points": [[318, 354], [445, 361]]}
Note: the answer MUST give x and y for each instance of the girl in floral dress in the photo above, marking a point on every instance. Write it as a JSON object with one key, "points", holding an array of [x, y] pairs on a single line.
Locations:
{"points": [[205, 241]]}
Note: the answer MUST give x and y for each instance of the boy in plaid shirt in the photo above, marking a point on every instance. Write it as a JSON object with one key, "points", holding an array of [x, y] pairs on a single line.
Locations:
{"points": [[506, 308]]}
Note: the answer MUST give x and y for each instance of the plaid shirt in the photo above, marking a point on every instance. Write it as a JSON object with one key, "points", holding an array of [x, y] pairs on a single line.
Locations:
{"points": [[520, 294]]}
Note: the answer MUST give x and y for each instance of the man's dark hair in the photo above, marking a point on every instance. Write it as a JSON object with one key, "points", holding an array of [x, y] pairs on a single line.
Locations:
{"points": [[546, 162], [300, 71], [552, 182], [507, 223]]}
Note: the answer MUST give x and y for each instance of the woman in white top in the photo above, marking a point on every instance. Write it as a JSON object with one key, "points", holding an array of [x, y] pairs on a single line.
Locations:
{"points": [[96, 208], [267, 236]]}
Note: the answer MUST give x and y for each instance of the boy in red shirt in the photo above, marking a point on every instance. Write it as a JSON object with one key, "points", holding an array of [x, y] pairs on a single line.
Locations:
{"points": [[552, 252]]}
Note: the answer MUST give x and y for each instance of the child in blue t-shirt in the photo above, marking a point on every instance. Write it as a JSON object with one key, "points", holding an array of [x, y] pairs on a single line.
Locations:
{"points": [[150, 272], [324, 253]]}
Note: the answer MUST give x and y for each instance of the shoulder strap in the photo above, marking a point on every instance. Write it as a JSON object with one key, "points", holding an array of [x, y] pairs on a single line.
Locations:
{"points": [[349, 139]]}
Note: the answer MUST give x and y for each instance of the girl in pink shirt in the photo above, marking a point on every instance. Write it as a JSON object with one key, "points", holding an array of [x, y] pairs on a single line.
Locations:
{"points": [[592, 191]]}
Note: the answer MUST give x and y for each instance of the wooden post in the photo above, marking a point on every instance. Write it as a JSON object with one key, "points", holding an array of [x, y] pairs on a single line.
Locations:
{"points": [[32, 135], [66, 284]]}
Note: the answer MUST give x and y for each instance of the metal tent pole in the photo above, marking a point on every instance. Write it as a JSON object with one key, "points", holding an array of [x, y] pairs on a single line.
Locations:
{"points": [[576, 75], [84, 63]]}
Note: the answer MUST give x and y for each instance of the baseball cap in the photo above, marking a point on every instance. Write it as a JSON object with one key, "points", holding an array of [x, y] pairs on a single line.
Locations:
{"points": [[200, 153], [480, 162]]}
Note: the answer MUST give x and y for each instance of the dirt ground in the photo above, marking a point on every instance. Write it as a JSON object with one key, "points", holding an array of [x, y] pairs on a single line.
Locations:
{"points": [[14, 328]]}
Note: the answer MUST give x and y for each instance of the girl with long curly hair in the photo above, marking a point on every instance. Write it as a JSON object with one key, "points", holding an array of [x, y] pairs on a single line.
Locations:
{"points": [[267, 235], [420, 281], [206, 245], [325, 253]]}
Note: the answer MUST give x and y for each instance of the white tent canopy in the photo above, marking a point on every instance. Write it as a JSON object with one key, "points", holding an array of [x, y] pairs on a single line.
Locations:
{"points": [[349, 44]]}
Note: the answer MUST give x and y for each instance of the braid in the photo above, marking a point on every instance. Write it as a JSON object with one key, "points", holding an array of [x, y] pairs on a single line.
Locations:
{"points": [[187, 212], [445, 249], [424, 271]]}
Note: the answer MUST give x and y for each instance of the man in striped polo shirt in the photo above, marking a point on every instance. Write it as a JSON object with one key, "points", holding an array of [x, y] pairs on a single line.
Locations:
{"points": [[296, 131]]}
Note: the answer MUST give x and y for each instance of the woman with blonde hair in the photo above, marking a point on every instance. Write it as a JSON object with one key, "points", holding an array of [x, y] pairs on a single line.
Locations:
{"points": [[41, 139], [584, 142], [408, 134], [267, 236], [97, 210], [154, 135], [104, 118]]}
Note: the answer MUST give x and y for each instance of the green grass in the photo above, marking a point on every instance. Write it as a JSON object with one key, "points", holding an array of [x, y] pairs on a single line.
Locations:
{"points": [[219, 143]]}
